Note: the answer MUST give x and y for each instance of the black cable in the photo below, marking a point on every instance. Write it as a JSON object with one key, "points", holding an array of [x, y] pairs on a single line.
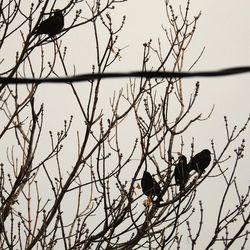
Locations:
{"points": [[151, 74]]}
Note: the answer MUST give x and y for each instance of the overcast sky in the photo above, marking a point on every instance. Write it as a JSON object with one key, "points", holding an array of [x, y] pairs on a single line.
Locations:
{"points": [[223, 29]]}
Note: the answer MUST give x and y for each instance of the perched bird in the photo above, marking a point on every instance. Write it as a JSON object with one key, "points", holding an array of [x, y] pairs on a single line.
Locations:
{"points": [[200, 161], [181, 172], [147, 183], [51, 26], [149, 186]]}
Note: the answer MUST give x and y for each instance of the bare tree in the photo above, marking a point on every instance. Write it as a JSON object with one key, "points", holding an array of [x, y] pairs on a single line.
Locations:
{"points": [[97, 202]]}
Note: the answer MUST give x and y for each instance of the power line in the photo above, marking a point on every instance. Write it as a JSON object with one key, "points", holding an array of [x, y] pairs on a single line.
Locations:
{"points": [[147, 74]]}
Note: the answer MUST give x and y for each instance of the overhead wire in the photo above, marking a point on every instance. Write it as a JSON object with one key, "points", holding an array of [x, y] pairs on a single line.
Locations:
{"points": [[137, 74]]}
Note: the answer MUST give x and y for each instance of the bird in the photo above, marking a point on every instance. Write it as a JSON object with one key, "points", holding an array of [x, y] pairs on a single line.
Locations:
{"points": [[149, 186], [200, 161], [147, 183], [52, 25], [181, 172]]}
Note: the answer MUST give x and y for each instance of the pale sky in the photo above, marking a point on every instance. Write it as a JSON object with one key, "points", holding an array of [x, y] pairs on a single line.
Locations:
{"points": [[223, 29]]}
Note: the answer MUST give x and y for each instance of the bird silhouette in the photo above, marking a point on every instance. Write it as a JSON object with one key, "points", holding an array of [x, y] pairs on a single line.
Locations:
{"points": [[200, 161], [147, 183], [149, 186], [181, 172], [51, 26]]}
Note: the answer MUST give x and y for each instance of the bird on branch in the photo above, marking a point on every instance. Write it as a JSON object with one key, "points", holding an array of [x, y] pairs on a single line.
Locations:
{"points": [[181, 172], [200, 161], [150, 187], [52, 25]]}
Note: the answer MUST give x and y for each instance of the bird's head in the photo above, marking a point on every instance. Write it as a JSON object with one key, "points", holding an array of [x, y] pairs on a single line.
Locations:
{"points": [[146, 174], [183, 159], [58, 12], [206, 152]]}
